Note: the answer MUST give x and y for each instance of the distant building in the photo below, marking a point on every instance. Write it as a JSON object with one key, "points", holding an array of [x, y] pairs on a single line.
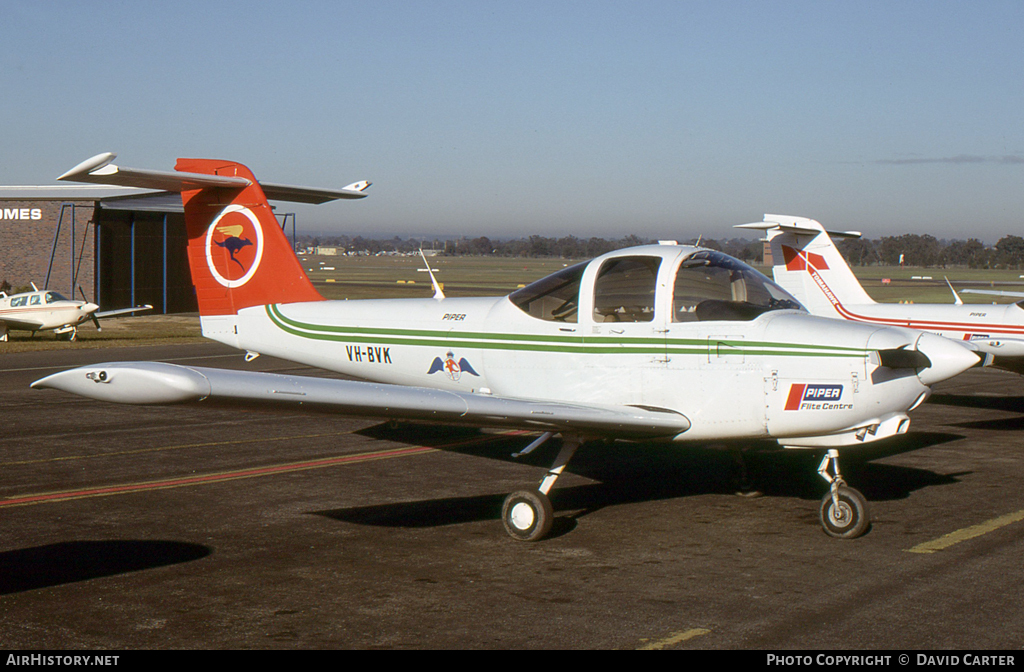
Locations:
{"points": [[122, 247]]}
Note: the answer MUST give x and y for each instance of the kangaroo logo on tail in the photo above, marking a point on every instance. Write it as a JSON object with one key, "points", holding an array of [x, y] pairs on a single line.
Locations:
{"points": [[234, 230]]}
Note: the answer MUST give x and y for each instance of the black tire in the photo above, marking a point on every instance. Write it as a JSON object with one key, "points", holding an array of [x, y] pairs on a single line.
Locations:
{"points": [[527, 515], [850, 519]]}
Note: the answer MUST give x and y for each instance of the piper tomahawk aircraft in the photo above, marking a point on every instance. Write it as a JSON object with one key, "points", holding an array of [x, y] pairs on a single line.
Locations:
{"points": [[659, 342], [808, 265], [42, 310]]}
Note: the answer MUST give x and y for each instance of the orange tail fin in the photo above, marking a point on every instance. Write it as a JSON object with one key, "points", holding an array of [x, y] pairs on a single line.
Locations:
{"points": [[238, 253]]}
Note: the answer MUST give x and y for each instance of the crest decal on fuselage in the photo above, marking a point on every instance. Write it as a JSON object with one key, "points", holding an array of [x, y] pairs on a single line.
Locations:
{"points": [[451, 368]]}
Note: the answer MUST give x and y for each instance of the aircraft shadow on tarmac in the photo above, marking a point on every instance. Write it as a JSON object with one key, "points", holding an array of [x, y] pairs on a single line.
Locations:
{"points": [[73, 561], [993, 403], [638, 472]]}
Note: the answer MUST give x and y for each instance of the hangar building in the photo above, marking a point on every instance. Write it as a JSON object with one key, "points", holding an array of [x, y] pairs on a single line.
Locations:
{"points": [[122, 246]]}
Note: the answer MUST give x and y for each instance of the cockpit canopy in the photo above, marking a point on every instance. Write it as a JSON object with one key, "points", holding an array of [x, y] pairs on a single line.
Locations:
{"points": [[705, 285]]}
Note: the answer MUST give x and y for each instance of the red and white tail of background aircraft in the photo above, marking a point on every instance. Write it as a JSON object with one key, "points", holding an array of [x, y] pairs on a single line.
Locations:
{"points": [[654, 343], [807, 263], [44, 310]]}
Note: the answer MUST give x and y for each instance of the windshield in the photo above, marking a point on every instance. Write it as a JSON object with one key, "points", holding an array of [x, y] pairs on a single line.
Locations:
{"points": [[53, 297], [710, 285], [554, 298]]}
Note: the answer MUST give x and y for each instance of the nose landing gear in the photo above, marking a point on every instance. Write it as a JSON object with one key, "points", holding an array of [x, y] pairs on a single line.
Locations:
{"points": [[844, 510]]}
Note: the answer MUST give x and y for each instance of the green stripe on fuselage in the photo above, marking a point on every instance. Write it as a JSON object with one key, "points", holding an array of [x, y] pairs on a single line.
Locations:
{"points": [[543, 343]]}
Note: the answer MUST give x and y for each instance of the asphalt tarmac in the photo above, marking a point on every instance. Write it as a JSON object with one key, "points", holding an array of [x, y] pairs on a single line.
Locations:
{"points": [[126, 527]]}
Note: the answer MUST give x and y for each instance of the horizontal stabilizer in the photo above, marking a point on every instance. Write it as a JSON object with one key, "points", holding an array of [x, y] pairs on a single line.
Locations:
{"points": [[162, 383], [797, 225], [284, 192], [100, 170]]}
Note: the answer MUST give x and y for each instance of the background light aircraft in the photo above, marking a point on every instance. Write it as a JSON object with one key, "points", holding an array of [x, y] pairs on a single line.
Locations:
{"points": [[808, 265], [43, 310], [660, 342]]}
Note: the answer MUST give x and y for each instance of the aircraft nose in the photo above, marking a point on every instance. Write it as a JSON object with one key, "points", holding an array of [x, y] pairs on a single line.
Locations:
{"points": [[948, 358], [90, 308]]}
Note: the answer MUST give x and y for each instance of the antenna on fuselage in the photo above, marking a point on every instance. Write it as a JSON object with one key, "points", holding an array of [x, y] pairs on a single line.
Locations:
{"points": [[438, 293]]}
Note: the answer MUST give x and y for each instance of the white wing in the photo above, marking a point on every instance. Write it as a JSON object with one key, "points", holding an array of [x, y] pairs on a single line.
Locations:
{"points": [[162, 383]]}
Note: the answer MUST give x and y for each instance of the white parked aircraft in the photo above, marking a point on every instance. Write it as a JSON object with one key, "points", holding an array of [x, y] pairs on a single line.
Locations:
{"points": [[43, 310], [661, 342], [809, 266]]}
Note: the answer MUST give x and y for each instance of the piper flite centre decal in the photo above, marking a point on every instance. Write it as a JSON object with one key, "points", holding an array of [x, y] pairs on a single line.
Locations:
{"points": [[811, 397], [237, 231]]}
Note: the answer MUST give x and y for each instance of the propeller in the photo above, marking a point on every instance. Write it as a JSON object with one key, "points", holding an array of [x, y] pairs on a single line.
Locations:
{"points": [[901, 358], [92, 315]]}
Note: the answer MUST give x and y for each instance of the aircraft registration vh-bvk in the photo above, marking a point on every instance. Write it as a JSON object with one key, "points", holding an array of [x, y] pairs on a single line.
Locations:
{"points": [[660, 342]]}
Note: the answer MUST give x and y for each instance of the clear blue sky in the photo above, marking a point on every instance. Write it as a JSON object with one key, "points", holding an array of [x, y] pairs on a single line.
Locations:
{"points": [[664, 119]]}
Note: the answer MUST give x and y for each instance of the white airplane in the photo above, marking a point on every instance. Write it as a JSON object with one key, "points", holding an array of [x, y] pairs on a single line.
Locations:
{"points": [[661, 342], [43, 310], [809, 266]]}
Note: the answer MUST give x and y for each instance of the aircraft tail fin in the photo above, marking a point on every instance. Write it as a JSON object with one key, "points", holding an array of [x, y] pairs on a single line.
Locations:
{"points": [[238, 254], [807, 264]]}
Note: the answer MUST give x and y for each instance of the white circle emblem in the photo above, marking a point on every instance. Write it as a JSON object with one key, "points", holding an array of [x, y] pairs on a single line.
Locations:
{"points": [[259, 246]]}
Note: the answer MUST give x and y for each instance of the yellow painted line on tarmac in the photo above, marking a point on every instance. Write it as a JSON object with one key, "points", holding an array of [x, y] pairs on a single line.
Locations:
{"points": [[673, 639], [966, 533]]}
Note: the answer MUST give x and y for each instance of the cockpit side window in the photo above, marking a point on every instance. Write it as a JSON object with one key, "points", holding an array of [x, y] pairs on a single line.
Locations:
{"points": [[624, 290], [713, 286], [554, 298], [34, 300]]}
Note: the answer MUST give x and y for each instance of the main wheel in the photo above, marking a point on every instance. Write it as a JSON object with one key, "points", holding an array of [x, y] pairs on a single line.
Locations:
{"points": [[847, 520], [527, 515]]}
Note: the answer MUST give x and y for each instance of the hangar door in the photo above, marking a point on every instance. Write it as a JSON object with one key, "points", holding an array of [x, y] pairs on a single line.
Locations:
{"points": [[141, 257]]}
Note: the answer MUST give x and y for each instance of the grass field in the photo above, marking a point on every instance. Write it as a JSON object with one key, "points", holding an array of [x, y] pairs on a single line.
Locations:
{"points": [[406, 277], [400, 277]]}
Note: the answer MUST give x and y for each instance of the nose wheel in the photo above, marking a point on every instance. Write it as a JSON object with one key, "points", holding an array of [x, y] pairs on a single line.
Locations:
{"points": [[844, 510]]}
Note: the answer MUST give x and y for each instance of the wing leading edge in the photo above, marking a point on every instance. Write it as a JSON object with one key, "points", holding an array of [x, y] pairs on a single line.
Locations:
{"points": [[24, 325], [162, 383]]}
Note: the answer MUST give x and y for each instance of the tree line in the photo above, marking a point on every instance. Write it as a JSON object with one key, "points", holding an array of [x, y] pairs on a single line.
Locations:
{"points": [[926, 250], [566, 247], [916, 250]]}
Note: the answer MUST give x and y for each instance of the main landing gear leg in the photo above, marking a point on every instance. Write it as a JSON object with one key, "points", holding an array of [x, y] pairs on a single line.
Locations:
{"points": [[844, 511], [527, 514]]}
